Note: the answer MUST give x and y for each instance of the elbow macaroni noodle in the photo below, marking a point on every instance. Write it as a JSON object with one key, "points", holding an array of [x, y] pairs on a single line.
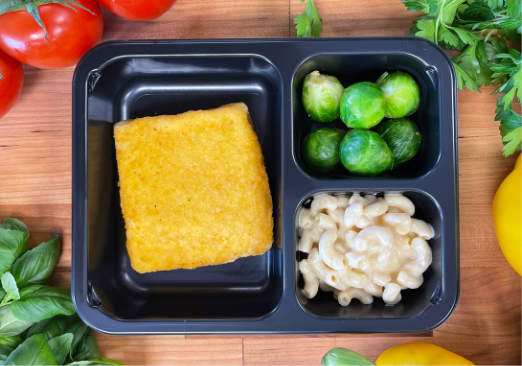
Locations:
{"points": [[361, 247]]}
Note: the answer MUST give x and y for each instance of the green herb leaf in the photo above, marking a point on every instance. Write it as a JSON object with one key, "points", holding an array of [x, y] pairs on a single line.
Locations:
{"points": [[39, 302], [61, 347], [33, 351], [7, 345], [36, 265], [464, 79], [12, 244], [308, 24], [510, 64], [512, 141], [80, 331], [96, 361], [513, 8], [10, 325], [477, 11], [466, 36], [483, 58], [468, 68], [449, 39], [342, 356], [500, 22], [9, 286], [510, 129], [495, 4], [430, 7], [87, 348], [449, 10], [426, 28], [53, 327], [478, 29], [433, 6], [15, 224], [416, 5]]}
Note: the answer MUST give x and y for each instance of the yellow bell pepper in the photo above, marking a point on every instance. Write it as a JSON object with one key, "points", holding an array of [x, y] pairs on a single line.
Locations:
{"points": [[419, 353], [507, 216]]}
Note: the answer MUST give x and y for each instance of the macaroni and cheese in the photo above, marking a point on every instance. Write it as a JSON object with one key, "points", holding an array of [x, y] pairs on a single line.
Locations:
{"points": [[361, 247]]}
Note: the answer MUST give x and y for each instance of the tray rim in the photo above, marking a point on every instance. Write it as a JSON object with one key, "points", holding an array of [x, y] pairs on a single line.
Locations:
{"points": [[108, 324]]}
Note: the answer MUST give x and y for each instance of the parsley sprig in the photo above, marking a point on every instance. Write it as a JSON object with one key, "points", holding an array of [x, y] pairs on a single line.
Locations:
{"points": [[308, 24], [478, 30]]}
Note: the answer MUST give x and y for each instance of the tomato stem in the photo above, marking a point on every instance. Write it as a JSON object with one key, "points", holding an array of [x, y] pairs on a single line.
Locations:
{"points": [[31, 6]]}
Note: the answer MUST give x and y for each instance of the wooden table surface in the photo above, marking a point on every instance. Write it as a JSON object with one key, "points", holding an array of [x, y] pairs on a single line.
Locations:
{"points": [[35, 186]]}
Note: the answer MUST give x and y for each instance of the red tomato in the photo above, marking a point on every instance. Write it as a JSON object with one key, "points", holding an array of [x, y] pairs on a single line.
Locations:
{"points": [[10, 83], [71, 33], [137, 9]]}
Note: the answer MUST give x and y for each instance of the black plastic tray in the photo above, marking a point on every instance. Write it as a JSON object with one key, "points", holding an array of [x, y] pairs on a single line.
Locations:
{"points": [[129, 79]]}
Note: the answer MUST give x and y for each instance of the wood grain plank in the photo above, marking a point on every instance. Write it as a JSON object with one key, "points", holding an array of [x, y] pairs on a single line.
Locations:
{"points": [[309, 349], [481, 169], [172, 350], [208, 19], [42, 221], [359, 18]]}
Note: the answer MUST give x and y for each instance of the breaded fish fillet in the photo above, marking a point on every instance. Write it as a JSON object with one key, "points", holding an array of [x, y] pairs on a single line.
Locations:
{"points": [[193, 189]]}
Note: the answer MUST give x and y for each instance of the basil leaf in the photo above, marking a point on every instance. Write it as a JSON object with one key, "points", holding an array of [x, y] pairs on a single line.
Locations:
{"points": [[15, 224], [37, 264], [96, 361], [87, 348], [12, 244], [80, 331], [61, 347], [7, 344], [41, 327], [10, 325], [57, 325], [33, 351], [53, 327], [342, 356], [38, 302], [9, 286]]}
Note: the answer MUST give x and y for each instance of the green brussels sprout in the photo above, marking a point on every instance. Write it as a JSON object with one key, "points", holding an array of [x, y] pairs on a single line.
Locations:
{"points": [[321, 96], [362, 105], [401, 93], [321, 149], [365, 152], [403, 138], [344, 357]]}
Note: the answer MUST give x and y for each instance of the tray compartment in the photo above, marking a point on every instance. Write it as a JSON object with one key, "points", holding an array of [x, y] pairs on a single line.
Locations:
{"points": [[413, 302], [354, 67], [132, 87]]}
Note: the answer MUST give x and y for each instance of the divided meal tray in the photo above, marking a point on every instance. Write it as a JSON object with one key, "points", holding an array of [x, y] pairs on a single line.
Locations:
{"points": [[261, 294]]}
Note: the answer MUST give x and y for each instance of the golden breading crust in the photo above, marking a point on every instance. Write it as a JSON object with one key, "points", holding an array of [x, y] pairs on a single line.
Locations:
{"points": [[193, 189]]}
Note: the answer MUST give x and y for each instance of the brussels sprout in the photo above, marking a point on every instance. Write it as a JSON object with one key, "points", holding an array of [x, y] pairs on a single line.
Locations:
{"points": [[365, 152], [321, 149], [401, 93], [403, 138], [321, 96], [362, 105], [344, 357]]}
